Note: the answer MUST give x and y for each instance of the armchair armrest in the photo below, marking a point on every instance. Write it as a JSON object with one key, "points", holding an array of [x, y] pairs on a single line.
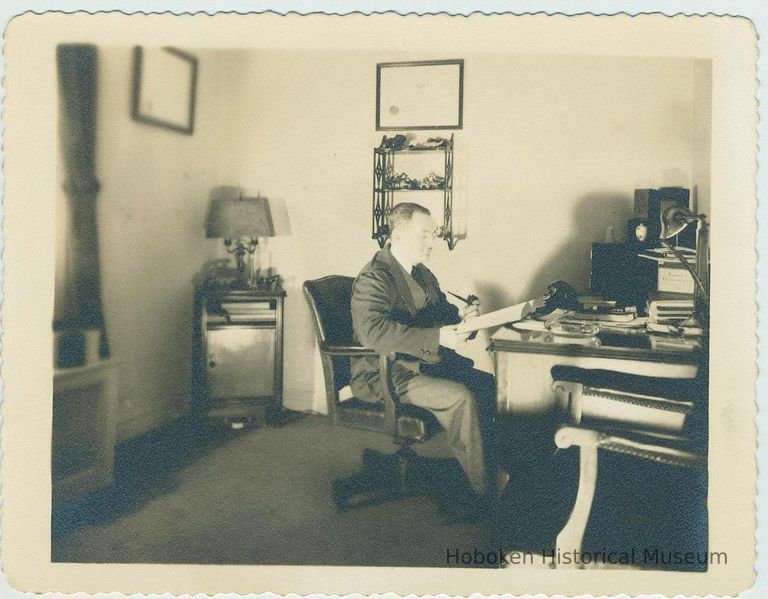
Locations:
{"points": [[653, 449], [389, 398], [346, 350]]}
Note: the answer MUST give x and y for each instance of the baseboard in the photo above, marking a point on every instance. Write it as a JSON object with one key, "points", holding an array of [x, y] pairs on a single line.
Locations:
{"points": [[304, 400], [297, 400]]}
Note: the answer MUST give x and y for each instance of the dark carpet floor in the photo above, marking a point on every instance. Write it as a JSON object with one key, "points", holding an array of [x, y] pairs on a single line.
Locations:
{"points": [[190, 494]]}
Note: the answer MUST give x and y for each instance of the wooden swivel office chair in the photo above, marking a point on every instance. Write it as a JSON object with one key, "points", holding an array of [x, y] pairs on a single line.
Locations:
{"points": [[384, 476], [660, 420]]}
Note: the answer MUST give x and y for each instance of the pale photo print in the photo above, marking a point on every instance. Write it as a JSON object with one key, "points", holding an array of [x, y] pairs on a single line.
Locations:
{"points": [[364, 304]]}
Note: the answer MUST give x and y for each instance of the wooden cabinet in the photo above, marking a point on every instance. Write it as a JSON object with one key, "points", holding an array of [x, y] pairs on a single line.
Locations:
{"points": [[238, 373]]}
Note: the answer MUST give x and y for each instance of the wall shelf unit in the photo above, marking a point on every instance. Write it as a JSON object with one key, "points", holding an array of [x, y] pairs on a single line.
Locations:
{"points": [[387, 183]]}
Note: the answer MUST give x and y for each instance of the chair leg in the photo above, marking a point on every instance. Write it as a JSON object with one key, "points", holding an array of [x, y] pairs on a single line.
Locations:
{"points": [[571, 536], [406, 459]]}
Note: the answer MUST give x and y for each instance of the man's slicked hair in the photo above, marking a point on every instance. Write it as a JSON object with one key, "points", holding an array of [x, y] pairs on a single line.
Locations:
{"points": [[403, 212]]}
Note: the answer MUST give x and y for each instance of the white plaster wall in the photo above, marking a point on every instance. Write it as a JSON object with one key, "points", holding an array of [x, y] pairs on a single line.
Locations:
{"points": [[550, 153], [702, 135], [152, 207]]}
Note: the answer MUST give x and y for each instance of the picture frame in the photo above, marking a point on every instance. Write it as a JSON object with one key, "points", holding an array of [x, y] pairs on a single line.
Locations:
{"points": [[164, 88], [420, 95]]}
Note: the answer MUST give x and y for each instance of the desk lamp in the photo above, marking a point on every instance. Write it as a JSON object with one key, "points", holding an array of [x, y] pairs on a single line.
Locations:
{"points": [[240, 221], [673, 220]]}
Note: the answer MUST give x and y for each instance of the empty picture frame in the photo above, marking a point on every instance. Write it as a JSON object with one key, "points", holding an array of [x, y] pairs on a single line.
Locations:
{"points": [[164, 87], [419, 95]]}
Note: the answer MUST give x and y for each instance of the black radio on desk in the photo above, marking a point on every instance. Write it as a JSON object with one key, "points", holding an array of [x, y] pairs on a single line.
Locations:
{"points": [[618, 273]]}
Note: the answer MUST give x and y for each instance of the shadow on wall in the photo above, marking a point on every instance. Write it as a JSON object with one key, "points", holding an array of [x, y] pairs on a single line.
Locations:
{"points": [[569, 260], [592, 217]]}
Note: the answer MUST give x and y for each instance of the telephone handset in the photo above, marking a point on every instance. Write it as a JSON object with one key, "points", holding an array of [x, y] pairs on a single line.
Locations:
{"points": [[558, 295]]}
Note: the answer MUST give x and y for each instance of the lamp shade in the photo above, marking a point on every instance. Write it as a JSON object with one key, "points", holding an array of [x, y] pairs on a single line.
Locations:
{"points": [[674, 219], [231, 218]]}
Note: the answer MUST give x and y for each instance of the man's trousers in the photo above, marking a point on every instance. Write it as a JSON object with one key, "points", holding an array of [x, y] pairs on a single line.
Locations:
{"points": [[463, 400]]}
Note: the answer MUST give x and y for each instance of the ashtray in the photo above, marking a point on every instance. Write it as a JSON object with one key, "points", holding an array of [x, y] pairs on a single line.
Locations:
{"points": [[579, 330]]}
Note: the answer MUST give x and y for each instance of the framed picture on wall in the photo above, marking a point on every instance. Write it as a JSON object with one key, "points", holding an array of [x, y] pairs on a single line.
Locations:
{"points": [[164, 86], [419, 95]]}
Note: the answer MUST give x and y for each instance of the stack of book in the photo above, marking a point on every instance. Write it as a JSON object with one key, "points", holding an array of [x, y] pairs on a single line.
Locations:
{"points": [[248, 311], [667, 307], [608, 319]]}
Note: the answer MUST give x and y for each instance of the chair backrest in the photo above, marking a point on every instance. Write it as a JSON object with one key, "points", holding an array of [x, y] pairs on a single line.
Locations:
{"points": [[330, 300]]}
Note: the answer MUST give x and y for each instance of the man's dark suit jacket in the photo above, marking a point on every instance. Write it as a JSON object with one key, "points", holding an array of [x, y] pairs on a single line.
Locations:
{"points": [[385, 318]]}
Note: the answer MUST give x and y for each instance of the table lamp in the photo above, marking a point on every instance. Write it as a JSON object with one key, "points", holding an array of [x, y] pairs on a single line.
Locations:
{"points": [[240, 222], [673, 220]]}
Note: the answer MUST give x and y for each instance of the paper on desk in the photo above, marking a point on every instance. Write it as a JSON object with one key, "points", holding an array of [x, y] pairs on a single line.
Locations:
{"points": [[500, 317], [530, 324]]}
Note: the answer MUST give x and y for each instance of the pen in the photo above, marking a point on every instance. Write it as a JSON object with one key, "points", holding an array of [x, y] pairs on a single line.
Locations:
{"points": [[467, 300]]}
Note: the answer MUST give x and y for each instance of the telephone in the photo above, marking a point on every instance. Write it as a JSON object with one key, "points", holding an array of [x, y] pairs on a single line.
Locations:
{"points": [[558, 294]]}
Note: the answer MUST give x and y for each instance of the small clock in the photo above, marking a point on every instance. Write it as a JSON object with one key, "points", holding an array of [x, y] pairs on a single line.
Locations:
{"points": [[638, 231]]}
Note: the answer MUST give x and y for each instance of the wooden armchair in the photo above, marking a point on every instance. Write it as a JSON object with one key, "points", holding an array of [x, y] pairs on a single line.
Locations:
{"points": [[383, 476], [655, 419]]}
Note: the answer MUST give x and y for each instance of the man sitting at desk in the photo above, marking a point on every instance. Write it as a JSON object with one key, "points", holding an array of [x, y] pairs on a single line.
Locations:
{"points": [[397, 306]]}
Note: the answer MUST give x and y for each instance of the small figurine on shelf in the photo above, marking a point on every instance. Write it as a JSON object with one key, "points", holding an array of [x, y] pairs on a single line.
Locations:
{"points": [[433, 181], [396, 142], [397, 181], [433, 143]]}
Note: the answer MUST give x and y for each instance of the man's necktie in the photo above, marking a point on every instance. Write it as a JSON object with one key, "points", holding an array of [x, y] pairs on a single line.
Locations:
{"points": [[418, 276]]}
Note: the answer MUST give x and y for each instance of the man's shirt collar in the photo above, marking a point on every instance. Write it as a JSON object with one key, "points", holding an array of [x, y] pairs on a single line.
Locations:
{"points": [[405, 264]]}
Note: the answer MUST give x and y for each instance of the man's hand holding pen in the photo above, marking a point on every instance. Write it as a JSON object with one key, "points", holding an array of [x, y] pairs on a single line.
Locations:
{"points": [[470, 309]]}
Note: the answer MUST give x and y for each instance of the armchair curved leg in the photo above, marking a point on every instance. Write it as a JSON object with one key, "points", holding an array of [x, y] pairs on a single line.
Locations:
{"points": [[571, 536]]}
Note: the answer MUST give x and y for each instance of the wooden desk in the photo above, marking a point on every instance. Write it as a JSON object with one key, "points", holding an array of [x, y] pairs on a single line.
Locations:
{"points": [[523, 360]]}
